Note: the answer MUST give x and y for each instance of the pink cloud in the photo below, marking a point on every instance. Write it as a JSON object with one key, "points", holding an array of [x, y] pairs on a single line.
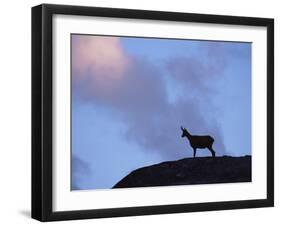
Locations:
{"points": [[135, 90], [100, 55]]}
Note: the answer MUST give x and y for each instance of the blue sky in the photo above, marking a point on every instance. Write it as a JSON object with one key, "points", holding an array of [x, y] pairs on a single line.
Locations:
{"points": [[131, 95]]}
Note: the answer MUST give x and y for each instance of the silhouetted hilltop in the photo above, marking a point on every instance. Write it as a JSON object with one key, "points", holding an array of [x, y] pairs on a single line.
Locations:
{"points": [[200, 170]]}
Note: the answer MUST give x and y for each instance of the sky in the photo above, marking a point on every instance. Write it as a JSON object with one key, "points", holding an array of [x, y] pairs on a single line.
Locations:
{"points": [[131, 95]]}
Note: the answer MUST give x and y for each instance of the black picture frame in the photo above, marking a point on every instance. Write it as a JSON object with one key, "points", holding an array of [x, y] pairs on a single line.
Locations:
{"points": [[42, 107]]}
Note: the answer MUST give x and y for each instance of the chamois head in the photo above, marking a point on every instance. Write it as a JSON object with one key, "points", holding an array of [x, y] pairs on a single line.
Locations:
{"points": [[184, 132]]}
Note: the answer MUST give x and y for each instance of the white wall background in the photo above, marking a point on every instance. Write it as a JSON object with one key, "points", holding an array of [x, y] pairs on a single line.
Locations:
{"points": [[15, 119]]}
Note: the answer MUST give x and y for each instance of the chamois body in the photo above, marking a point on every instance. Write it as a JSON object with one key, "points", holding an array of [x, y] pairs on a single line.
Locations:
{"points": [[199, 142]]}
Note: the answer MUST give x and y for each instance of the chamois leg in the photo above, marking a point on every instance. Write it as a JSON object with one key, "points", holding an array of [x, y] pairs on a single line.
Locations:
{"points": [[212, 151], [194, 152]]}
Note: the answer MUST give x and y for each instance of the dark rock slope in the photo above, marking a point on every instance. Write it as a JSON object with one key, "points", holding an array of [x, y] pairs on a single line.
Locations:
{"points": [[201, 170]]}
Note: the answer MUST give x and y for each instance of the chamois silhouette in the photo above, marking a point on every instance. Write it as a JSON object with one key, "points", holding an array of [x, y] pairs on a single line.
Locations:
{"points": [[199, 142]]}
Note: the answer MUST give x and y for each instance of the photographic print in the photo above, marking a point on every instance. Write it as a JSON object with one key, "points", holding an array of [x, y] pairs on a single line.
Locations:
{"points": [[159, 112], [139, 112]]}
